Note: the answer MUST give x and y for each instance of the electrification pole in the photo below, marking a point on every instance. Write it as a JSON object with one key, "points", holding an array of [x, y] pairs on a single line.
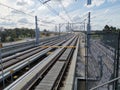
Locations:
{"points": [[87, 51], [55, 28], [37, 33], [59, 30], [68, 27]]}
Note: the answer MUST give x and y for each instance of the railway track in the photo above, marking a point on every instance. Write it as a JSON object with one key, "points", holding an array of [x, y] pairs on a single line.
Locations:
{"points": [[48, 42], [10, 50], [7, 62], [25, 62], [59, 57], [100, 56], [108, 59]]}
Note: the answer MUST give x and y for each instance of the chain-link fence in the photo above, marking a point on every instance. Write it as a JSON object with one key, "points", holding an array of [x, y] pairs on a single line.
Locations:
{"points": [[103, 59]]}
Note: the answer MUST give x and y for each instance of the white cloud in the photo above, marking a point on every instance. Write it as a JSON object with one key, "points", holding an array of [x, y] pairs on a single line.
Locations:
{"points": [[25, 2], [21, 2], [107, 10], [42, 8], [98, 3], [112, 0], [105, 16], [67, 3], [34, 7], [23, 20], [9, 24]]}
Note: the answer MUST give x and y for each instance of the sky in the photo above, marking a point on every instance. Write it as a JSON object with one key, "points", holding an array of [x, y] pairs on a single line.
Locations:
{"points": [[21, 13]]}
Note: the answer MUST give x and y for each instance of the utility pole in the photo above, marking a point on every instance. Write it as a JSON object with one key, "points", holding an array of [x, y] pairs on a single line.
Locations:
{"points": [[2, 64], [37, 33]]}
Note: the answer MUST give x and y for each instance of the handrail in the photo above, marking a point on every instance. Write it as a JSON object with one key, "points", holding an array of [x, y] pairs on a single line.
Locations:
{"points": [[105, 83]]}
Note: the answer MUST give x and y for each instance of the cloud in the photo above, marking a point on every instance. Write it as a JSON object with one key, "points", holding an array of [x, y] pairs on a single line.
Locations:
{"points": [[16, 12], [112, 0], [67, 3], [8, 23], [25, 2], [107, 10], [23, 20], [47, 17], [76, 18], [98, 3], [48, 21], [21, 2], [42, 8]]}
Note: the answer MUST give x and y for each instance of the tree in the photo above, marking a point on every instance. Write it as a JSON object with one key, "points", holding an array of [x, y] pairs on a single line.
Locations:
{"points": [[110, 36], [16, 34], [106, 28]]}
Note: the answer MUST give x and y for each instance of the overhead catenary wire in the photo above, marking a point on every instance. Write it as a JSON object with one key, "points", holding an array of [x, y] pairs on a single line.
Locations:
{"points": [[52, 10], [46, 1], [18, 10], [23, 22], [12, 20], [15, 9], [5, 19], [66, 11], [48, 6]]}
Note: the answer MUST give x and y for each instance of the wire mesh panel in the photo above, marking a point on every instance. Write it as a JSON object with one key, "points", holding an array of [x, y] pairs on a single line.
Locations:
{"points": [[103, 62]]}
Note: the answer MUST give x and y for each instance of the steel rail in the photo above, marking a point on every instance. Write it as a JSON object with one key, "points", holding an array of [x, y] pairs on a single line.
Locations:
{"points": [[66, 65], [24, 47], [27, 51], [26, 80], [69, 83], [25, 62]]}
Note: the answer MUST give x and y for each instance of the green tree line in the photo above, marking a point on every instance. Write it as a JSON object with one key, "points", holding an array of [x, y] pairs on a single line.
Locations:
{"points": [[8, 35], [110, 36]]}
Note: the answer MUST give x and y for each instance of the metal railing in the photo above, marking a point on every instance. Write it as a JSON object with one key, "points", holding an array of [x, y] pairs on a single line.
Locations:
{"points": [[113, 80]]}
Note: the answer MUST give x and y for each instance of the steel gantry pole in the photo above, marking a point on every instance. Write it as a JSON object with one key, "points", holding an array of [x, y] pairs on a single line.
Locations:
{"points": [[87, 51], [68, 27], [55, 29], [36, 31], [59, 29]]}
